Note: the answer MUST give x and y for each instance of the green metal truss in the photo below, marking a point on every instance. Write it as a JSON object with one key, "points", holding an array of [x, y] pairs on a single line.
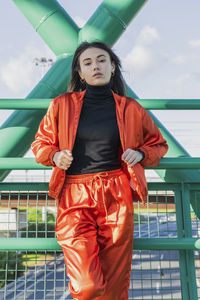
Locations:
{"points": [[107, 23]]}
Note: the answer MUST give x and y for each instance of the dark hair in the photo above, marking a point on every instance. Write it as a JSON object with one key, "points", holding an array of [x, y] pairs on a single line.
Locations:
{"points": [[75, 84]]}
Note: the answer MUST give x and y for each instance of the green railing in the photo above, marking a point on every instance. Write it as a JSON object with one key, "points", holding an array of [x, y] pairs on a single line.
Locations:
{"points": [[165, 256], [155, 104], [166, 261]]}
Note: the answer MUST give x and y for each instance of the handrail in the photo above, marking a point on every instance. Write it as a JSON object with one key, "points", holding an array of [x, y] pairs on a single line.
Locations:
{"points": [[15, 244], [24, 103], [44, 186], [154, 104], [21, 163]]}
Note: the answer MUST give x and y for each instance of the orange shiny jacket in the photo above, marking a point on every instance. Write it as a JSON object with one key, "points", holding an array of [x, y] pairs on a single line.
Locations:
{"points": [[57, 131]]}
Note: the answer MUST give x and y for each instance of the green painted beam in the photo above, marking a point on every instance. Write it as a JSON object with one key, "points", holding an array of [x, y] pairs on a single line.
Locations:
{"points": [[179, 163], [52, 23], [187, 232], [49, 19], [24, 104], [20, 163], [166, 243], [154, 104], [44, 186], [121, 13], [18, 131], [170, 104], [110, 20], [30, 187], [16, 244], [106, 24]]}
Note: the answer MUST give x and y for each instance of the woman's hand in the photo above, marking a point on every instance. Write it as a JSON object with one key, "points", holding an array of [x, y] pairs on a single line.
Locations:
{"points": [[131, 157], [63, 159]]}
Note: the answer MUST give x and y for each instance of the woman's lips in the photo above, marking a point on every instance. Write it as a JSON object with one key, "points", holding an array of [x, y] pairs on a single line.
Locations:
{"points": [[98, 75]]}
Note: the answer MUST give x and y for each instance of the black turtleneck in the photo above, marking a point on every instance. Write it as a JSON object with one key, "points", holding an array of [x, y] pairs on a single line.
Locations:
{"points": [[97, 139]]}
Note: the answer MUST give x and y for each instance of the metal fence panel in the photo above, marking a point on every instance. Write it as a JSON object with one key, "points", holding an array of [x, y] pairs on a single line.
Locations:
{"points": [[26, 211]]}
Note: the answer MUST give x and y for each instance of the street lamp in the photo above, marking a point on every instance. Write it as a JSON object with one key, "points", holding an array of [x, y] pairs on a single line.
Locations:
{"points": [[43, 62]]}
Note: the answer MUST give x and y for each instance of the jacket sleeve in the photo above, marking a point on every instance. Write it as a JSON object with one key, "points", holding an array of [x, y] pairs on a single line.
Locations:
{"points": [[154, 145], [46, 143]]}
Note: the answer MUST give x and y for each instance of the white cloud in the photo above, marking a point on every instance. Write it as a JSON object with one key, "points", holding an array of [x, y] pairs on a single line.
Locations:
{"points": [[16, 74], [182, 86], [194, 43], [141, 59], [147, 36], [19, 72], [179, 59], [183, 79]]}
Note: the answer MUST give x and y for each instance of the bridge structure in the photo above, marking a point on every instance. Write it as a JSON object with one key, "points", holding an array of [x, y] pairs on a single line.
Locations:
{"points": [[166, 243]]}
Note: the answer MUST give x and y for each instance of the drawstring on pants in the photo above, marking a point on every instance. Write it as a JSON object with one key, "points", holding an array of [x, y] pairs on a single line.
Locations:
{"points": [[101, 176], [108, 176]]}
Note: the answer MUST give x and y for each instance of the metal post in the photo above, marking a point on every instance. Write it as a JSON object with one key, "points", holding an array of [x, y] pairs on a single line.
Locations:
{"points": [[184, 229], [188, 233], [182, 255]]}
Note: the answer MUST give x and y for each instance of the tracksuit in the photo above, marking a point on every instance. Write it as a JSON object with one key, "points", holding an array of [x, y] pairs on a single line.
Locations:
{"points": [[95, 215]]}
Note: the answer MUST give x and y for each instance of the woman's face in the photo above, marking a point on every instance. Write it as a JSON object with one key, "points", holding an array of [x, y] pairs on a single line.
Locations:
{"points": [[95, 66]]}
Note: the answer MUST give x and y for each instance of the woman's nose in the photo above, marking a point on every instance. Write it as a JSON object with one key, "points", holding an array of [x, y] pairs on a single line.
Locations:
{"points": [[95, 66]]}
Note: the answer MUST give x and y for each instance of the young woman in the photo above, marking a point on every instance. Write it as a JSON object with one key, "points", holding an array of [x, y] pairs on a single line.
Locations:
{"points": [[98, 142]]}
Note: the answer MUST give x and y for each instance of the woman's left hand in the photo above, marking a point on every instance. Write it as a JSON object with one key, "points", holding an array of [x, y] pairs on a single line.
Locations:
{"points": [[131, 157]]}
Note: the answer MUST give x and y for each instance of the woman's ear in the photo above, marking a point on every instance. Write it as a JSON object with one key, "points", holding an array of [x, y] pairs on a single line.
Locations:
{"points": [[80, 74], [113, 66]]}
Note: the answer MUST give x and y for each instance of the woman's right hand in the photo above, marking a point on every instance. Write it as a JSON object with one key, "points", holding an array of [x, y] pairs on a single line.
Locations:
{"points": [[63, 159]]}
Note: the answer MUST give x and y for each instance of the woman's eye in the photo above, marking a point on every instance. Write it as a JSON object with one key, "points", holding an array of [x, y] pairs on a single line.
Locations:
{"points": [[102, 60]]}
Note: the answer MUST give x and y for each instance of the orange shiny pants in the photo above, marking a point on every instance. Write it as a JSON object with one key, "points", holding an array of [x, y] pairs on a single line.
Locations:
{"points": [[94, 227]]}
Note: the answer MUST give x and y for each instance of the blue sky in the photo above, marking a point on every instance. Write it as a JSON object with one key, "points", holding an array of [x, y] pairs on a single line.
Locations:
{"points": [[160, 54]]}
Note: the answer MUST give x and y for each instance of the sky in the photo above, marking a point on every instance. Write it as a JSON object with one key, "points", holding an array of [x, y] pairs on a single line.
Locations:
{"points": [[159, 51]]}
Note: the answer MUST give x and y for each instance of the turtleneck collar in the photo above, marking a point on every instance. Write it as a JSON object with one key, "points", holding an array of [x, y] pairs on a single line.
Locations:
{"points": [[100, 91]]}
